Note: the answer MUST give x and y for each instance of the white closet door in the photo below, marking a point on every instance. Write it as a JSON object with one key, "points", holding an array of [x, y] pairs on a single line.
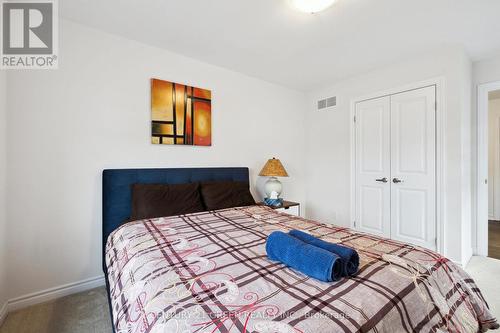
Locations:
{"points": [[373, 166], [413, 167]]}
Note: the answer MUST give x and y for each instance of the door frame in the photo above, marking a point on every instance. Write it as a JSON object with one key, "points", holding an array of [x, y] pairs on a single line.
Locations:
{"points": [[482, 215], [440, 84]]}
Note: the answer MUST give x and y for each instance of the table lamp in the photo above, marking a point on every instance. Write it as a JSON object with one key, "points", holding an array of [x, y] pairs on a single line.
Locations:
{"points": [[273, 187]]}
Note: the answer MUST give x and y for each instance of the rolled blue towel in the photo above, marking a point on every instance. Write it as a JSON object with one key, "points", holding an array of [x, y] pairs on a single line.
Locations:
{"points": [[308, 259], [350, 258]]}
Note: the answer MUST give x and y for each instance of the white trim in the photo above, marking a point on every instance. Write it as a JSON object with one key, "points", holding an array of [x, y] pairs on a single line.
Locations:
{"points": [[482, 166], [352, 121], [440, 84], [54, 293], [3, 313]]}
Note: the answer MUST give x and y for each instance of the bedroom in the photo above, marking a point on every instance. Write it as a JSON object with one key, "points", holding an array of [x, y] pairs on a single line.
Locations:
{"points": [[62, 127]]}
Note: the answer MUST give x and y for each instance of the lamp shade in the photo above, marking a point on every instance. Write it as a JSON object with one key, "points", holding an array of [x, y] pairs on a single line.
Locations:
{"points": [[273, 168]]}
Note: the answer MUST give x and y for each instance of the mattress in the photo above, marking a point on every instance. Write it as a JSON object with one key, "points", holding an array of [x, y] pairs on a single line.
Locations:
{"points": [[208, 272]]}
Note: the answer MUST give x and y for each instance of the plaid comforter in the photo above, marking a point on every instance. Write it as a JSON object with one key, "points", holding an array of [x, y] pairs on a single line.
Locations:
{"points": [[208, 272]]}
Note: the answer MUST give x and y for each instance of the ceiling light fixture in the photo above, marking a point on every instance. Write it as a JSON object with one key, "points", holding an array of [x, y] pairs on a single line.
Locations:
{"points": [[312, 6]]}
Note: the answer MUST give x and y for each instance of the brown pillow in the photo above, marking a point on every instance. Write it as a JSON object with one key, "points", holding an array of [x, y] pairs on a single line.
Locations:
{"points": [[220, 195], [158, 200]]}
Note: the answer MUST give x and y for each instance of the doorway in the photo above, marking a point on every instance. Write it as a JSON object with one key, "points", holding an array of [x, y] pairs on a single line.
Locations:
{"points": [[494, 174], [488, 182]]}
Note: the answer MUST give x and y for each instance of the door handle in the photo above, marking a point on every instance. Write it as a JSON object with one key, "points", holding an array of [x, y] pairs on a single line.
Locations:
{"points": [[396, 180], [382, 180]]}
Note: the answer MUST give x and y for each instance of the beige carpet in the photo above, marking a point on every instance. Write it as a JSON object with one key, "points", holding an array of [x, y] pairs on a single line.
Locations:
{"points": [[88, 312], [486, 273], [85, 312]]}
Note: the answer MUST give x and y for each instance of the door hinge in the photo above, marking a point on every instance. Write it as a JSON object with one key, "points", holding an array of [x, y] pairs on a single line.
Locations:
{"points": [[436, 242], [354, 224], [354, 118]]}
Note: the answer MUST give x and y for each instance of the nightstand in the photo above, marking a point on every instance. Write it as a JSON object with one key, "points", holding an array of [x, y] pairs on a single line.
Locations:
{"points": [[288, 207]]}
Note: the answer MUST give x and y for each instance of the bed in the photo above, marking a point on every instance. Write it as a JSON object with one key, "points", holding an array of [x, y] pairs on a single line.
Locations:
{"points": [[208, 272]]}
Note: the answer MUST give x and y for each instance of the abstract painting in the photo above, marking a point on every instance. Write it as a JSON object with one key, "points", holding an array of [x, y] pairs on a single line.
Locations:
{"points": [[180, 114]]}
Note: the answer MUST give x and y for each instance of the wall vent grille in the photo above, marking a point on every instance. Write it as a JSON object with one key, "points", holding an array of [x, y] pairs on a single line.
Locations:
{"points": [[327, 103]]}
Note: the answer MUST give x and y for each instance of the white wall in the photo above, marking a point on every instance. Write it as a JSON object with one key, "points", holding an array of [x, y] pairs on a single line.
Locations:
{"points": [[482, 72], [493, 159], [486, 71], [67, 125], [3, 215], [328, 143]]}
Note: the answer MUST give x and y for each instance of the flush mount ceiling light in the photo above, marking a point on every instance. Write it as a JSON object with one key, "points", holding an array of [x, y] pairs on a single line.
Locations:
{"points": [[312, 6]]}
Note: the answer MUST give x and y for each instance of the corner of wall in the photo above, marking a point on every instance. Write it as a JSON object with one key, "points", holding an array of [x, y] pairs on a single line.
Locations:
{"points": [[467, 173], [466, 256]]}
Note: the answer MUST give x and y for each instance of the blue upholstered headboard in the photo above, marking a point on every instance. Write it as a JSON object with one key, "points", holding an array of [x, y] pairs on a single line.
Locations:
{"points": [[117, 196]]}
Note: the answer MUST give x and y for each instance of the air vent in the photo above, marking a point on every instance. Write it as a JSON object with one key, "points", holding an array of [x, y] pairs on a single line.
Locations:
{"points": [[332, 101], [327, 103], [322, 104]]}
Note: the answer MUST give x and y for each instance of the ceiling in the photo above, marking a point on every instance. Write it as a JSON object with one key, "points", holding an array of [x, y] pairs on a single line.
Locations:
{"points": [[270, 40]]}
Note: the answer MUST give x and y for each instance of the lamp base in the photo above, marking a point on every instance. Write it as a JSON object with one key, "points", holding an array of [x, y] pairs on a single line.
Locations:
{"points": [[273, 185], [273, 202]]}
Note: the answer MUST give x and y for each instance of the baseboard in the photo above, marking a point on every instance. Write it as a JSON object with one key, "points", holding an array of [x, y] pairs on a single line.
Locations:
{"points": [[54, 293], [3, 312]]}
